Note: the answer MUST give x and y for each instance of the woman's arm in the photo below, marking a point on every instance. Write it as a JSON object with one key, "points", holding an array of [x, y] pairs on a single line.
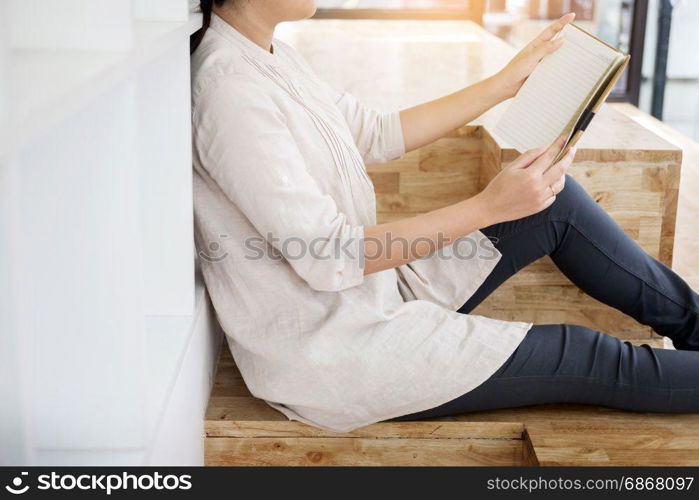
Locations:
{"points": [[526, 186], [427, 122]]}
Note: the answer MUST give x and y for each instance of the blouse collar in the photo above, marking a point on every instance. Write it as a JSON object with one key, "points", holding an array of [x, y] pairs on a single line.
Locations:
{"points": [[229, 32]]}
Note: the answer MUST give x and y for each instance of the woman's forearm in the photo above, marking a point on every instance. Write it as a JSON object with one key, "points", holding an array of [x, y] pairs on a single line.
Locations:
{"points": [[396, 243], [526, 186], [428, 122]]}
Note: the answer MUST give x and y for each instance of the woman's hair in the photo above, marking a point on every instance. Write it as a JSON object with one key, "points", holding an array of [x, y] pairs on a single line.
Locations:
{"points": [[206, 6]]}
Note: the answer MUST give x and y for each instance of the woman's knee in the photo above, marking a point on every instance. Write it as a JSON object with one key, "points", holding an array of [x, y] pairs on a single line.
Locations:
{"points": [[571, 195], [572, 200], [567, 337], [560, 349]]}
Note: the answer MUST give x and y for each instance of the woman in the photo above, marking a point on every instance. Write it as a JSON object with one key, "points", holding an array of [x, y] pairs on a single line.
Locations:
{"points": [[340, 322]]}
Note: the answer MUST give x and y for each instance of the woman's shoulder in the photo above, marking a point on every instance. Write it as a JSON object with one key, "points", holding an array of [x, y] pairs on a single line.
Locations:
{"points": [[216, 62]]}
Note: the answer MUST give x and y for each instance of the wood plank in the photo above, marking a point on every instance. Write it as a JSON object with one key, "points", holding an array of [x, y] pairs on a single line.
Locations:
{"points": [[670, 458], [424, 429], [459, 154], [638, 443], [686, 253], [568, 417], [242, 430], [385, 182], [529, 457], [626, 439], [407, 163], [362, 452], [552, 304], [599, 457]]}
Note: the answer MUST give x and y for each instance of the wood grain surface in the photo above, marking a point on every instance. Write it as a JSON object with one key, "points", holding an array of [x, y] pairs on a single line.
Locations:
{"points": [[243, 430]]}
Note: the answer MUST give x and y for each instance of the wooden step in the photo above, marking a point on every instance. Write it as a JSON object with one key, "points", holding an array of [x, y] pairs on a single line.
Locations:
{"points": [[686, 254], [243, 430]]}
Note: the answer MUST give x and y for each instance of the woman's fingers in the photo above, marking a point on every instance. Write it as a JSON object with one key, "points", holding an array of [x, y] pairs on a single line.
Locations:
{"points": [[558, 186], [548, 47], [552, 178], [555, 176], [547, 179], [526, 158], [548, 202], [553, 29], [544, 161]]}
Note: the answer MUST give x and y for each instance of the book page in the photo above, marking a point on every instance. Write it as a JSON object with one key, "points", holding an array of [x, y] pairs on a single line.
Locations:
{"points": [[552, 97]]}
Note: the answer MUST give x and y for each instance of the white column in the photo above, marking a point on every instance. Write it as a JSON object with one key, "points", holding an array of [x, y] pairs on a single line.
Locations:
{"points": [[164, 156], [97, 295], [81, 300], [14, 440], [161, 10], [71, 24]]}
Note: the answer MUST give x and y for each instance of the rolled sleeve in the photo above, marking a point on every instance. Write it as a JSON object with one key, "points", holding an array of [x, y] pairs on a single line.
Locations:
{"points": [[247, 149], [378, 135], [341, 274]]}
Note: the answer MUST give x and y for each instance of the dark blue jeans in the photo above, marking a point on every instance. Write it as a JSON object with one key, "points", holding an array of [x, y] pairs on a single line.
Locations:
{"points": [[573, 364]]}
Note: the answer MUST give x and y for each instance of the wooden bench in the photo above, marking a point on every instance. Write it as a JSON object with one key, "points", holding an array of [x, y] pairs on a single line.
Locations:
{"points": [[243, 430]]}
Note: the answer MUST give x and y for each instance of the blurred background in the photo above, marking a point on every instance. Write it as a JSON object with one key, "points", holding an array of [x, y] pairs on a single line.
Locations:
{"points": [[663, 78]]}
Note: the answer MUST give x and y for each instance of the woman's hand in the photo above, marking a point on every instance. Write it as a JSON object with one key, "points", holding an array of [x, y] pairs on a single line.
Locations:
{"points": [[512, 76], [528, 185], [427, 122]]}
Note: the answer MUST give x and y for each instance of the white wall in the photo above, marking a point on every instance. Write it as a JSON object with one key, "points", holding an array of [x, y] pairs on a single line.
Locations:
{"points": [[100, 312]]}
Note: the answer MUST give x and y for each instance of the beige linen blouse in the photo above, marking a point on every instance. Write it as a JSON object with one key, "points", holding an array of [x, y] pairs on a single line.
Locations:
{"points": [[281, 198]]}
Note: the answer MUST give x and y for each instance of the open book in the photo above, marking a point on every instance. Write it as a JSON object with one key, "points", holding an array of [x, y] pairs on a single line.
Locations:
{"points": [[563, 93]]}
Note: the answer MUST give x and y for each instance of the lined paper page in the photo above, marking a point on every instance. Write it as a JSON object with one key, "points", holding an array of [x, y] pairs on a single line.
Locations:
{"points": [[555, 91]]}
